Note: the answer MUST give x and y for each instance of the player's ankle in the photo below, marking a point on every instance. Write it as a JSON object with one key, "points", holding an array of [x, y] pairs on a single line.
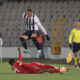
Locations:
{"points": [[26, 51], [76, 66]]}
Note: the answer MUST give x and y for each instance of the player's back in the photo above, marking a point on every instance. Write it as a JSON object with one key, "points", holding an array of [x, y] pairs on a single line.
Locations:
{"points": [[17, 68]]}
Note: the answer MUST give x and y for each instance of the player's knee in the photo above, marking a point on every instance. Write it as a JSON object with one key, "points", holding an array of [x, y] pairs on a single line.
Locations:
{"points": [[24, 37], [34, 38], [34, 35]]}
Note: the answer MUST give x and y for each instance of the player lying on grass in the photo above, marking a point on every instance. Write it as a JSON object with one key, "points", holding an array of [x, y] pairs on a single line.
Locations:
{"points": [[33, 67]]}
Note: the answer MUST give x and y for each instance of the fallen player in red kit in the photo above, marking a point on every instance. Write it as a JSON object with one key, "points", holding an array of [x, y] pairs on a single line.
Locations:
{"points": [[33, 67]]}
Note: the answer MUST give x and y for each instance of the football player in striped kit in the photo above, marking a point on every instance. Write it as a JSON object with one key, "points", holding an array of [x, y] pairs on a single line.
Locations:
{"points": [[33, 25]]}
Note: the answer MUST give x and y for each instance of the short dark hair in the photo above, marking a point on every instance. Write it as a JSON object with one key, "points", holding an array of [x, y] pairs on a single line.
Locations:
{"points": [[11, 61], [29, 10]]}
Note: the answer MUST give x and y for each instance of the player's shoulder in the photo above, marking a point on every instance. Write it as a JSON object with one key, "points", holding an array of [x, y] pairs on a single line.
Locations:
{"points": [[0, 38], [24, 15], [19, 63], [35, 16], [73, 30]]}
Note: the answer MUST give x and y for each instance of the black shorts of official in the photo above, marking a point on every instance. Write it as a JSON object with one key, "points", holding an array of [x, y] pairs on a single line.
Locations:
{"points": [[76, 47], [29, 33]]}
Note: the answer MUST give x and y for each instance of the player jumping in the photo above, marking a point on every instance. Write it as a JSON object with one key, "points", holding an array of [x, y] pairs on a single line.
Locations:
{"points": [[33, 67], [33, 25]]}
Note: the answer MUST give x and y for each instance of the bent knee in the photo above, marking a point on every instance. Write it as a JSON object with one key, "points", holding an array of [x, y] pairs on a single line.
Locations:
{"points": [[24, 37], [34, 35]]}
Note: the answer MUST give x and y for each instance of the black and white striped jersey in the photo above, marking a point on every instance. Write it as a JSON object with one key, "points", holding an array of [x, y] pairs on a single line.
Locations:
{"points": [[33, 23]]}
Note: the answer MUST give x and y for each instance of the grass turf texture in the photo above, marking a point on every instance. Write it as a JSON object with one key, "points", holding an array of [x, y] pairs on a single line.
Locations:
{"points": [[7, 74]]}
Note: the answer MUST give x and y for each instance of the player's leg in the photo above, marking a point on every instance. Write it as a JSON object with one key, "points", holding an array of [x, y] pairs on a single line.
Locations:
{"points": [[75, 51], [34, 40], [53, 70], [79, 59], [39, 47], [49, 66], [60, 70], [31, 68], [37, 64], [34, 35], [75, 60], [42, 52], [40, 40], [49, 70], [79, 54], [44, 66], [23, 39]]}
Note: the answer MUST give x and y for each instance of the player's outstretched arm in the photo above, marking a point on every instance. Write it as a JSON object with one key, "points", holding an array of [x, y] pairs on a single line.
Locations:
{"points": [[41, 27], [20, 57]]}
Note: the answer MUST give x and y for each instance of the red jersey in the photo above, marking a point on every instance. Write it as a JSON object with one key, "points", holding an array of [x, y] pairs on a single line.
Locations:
{"points": [[17, 68], [20, 67]]}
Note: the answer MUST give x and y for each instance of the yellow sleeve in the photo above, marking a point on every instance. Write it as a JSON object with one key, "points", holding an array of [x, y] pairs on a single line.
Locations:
{"points": [[70, 37]]}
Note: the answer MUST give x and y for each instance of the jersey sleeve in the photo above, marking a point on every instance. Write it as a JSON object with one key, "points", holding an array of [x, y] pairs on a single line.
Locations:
{"points": [[36, 19], [71, 36], [20, 57], [23, 15]]}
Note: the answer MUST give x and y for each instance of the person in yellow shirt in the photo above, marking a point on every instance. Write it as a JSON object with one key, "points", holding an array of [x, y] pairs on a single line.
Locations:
{"points": [[74, 41]]}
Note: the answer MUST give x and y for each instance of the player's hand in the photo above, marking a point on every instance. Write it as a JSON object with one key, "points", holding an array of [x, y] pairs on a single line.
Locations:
{"points": [[48, 38], [18, 49], [70, 45]]}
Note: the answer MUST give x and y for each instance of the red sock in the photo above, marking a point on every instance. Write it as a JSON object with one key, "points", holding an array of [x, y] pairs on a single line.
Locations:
{"points": [[48, 66], [54, 70]]}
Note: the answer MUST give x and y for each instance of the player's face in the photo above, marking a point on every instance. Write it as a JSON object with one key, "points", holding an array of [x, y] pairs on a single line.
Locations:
{"points": [[77, 24], [29, 13]]}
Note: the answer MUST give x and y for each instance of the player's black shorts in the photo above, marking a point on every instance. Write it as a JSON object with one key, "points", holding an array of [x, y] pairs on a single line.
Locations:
{"points": [[76, 47], [29, 33]]}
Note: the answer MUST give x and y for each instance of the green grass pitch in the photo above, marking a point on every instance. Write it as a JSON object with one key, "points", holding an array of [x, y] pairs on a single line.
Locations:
{"points": [[7, 74]]}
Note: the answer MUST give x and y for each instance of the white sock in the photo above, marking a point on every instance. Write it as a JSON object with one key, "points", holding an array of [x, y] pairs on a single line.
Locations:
{"points": [[39, 53]]}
